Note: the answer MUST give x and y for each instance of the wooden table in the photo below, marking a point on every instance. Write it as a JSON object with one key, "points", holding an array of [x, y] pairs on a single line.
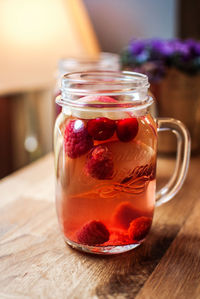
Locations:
{"points": [[36, 263]]}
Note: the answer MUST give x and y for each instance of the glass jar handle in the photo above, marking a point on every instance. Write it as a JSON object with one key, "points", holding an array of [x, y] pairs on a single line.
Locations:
{"points": [[182, 158]]}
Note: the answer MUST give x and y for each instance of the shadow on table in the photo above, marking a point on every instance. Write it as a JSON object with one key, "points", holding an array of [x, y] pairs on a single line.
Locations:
{"points": [[130, 270]]}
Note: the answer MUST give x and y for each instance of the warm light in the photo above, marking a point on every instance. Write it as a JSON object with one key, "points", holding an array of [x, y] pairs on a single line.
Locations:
{"points": [[27, 22], [35, 34]]}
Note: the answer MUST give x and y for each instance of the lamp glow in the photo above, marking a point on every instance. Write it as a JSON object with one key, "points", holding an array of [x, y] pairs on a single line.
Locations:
{"points": [[35, 34]]}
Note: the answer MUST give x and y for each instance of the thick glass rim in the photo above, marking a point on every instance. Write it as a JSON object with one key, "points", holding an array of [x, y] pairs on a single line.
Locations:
{"points": [[125, 77], [104, 58], [105, 83]]}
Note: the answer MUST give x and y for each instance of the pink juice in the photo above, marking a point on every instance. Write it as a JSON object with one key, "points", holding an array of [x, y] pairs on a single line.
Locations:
{"points": [[105, 169]]}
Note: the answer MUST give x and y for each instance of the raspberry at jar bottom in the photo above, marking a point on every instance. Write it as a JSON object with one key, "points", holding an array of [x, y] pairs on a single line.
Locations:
{"points": [[105, 166]]}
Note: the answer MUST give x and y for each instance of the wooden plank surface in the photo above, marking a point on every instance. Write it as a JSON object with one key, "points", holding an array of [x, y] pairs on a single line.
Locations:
{"points": [[35, 181], [178, 273], [36, 263]]}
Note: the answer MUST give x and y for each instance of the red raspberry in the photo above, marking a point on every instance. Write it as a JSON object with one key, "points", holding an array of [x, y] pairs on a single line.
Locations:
{"points": [[100, 163], [106, 99], [98, 99], [127, 129], [118, 238], [139, 228], [77, 141], [124, 214], [93, 233], [101, 128]]}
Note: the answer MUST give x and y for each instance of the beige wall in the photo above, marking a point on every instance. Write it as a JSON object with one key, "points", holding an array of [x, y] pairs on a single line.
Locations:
{"points": [[118, 21]]}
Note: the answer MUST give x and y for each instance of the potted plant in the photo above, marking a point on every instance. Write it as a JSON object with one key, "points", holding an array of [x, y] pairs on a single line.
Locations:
{"points": [[173, 68]]}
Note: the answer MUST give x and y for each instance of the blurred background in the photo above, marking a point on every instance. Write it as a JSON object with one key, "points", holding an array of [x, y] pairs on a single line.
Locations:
{"points": [[36, 34]]}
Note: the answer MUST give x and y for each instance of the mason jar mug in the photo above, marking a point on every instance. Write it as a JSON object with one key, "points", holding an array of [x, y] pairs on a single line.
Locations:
{"points": [[105, 144]]}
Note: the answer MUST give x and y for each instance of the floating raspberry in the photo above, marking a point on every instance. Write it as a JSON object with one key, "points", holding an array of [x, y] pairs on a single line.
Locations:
{"points": [[124, 214], [118, 238], [77, 141], [127, 129], [139, 228], [100, 163], [98, 99], [101, 128], [106, 99], [93, 233]]}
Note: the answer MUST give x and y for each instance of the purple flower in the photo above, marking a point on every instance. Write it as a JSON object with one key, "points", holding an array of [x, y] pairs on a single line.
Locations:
{"points": [[194, 47], [137, 47], [167, 49], [190, 42], [197, 49], [154, 56], [161, 47], [142, 57], [181, 48]]}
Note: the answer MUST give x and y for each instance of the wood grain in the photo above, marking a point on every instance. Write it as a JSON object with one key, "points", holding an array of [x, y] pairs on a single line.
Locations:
{"points": [[35, 181], [178, 273], [36, 263]]}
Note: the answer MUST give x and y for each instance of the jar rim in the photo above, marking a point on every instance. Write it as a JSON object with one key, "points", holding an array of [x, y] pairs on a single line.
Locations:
{"points": [[131, 85], [138, 79], [104, 61], [104, 58]]}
